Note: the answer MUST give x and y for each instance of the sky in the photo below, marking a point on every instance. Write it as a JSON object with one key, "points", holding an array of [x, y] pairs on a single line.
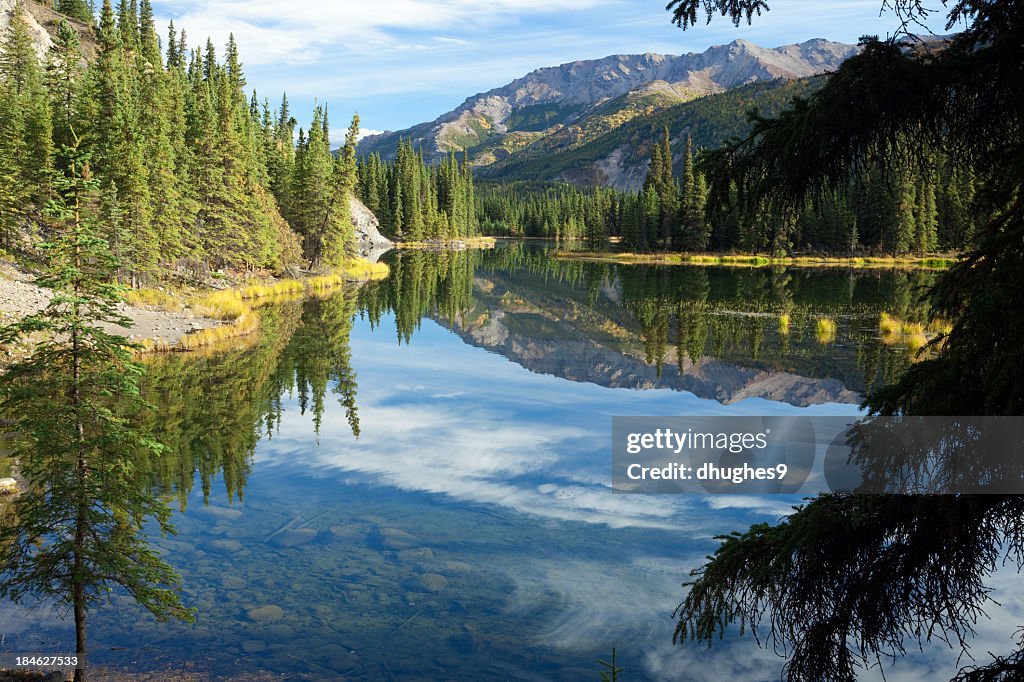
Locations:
{"points": [[402, 62]]}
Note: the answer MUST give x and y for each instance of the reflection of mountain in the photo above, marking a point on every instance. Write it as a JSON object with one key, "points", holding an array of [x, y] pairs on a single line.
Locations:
{"points": [[723, 334], [588, 360]]}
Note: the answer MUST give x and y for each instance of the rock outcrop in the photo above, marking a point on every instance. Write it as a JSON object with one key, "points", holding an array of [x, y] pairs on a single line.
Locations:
{"points": [[370, 243], [42, 24]]}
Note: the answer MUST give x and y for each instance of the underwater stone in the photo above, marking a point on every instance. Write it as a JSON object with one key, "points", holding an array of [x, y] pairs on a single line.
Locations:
{"points": [[393, 538], [270, 613], [295, 536], [253, 646], [344, 534], [431, 582], [233, 582], [418, 554], [225, 545], [219, 513]]}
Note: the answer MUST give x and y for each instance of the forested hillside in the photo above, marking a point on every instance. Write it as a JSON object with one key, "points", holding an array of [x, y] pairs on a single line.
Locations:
{"points": [[192, 171], [416, 201], [922, 209]]}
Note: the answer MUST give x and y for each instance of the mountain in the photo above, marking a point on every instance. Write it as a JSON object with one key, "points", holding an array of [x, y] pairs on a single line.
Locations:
{"points": [[582, 101], [619, 157]]}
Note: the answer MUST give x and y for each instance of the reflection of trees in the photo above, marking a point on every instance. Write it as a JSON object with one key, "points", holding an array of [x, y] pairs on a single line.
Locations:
{"points": [[423, 284], [318, 355], [734, 315], [213, 407]]}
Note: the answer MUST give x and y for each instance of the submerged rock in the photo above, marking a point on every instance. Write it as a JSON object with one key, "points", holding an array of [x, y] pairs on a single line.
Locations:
{"points": [[233, 582], [225, 545], [271, 613], [428, 582], [294, 536], [219, 513], [253, 646], [418, 554], [393, 538], [348, 534]]}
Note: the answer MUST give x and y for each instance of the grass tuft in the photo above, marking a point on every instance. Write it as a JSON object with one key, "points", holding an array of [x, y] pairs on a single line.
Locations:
{"points": [[826, 330]]}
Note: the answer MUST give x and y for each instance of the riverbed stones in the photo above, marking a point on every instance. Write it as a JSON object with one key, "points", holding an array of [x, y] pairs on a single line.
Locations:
{"points": [[8, 486], [271, 613], [294, 537], [279, 632], [344, 534]]}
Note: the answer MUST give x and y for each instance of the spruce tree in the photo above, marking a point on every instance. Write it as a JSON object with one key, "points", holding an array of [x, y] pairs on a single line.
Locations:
{"points": [[76, 9], [77, 530]]}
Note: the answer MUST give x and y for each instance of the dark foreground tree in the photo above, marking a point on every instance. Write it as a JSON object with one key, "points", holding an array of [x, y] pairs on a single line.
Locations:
{"points": [[848, 581], [76, 532]]}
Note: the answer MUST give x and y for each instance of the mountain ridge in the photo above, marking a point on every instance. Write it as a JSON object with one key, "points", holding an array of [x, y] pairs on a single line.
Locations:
{"points": [[501, 122]]}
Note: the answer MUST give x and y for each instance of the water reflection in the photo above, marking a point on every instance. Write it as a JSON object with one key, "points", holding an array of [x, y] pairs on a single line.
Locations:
{"points": [[371, 490], [798, 336]]}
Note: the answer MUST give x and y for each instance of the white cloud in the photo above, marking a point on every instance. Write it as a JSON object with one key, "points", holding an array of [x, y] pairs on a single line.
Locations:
{"points": [[296, 33]]}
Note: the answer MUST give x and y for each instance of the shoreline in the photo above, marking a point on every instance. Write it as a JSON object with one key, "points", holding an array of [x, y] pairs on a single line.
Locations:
{"points": [[926, 262], [180, 320], [448, 244]]}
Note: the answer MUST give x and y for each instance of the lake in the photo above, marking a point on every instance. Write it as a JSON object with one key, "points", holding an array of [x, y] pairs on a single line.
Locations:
{"points": [[410, 479]]}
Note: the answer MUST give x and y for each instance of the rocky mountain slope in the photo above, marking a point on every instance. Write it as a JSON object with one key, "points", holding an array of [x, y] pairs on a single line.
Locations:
{"points": [[43, 22], [585, 100]]}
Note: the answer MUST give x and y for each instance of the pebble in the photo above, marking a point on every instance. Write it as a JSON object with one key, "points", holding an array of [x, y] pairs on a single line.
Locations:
{"points": [[429, 582], [233, 582]]}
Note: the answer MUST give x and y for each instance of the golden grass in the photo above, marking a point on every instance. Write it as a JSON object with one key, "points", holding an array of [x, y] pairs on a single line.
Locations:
{"points": [[157, 298], [913, 335], [825, 330], [244, 325], [235, 306], [757, 261], [467, 242], [784, 323]]}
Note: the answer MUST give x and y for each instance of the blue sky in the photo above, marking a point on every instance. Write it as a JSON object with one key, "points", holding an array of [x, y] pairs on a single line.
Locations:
{"points": [[402, 62]]}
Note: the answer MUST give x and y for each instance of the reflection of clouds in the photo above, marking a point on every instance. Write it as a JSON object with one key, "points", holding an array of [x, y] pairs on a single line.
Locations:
{"points": [[592, 604], [760, 504], [627, 604], [440, 416], [438, 448]]}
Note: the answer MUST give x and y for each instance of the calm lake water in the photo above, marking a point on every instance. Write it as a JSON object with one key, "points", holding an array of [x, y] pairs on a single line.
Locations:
{"points": [[410, 480]]}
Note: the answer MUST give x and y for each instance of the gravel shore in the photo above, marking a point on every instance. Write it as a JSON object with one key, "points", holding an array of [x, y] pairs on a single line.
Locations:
{"points": [[20, 297]]}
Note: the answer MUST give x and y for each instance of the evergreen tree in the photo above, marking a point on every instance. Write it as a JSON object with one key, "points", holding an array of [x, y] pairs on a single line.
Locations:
{"points": [[76, 9], [693, 228], [78, 529]]}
